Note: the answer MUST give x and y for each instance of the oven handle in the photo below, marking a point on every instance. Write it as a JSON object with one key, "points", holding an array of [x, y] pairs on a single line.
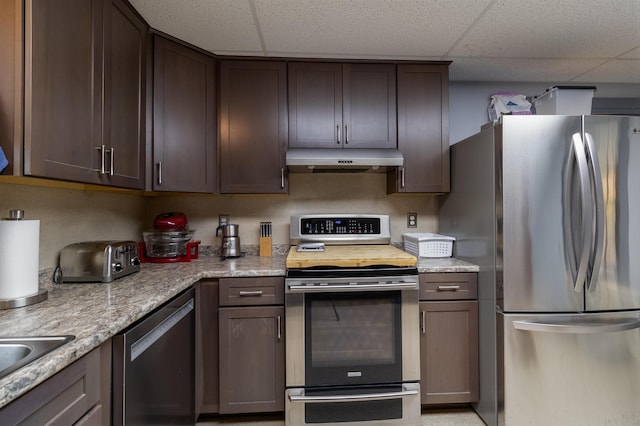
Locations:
{"points": [[293, 288], [349, 398]]}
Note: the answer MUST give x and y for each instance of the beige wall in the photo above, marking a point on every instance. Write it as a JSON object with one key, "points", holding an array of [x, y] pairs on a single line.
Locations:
{"points": [[68, 215], [308, 193], [71, 215]]}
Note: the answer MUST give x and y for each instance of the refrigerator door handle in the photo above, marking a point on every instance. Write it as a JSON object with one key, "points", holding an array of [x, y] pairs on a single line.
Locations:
{"points": [[591, 326], [586, 212], [599, 214]]}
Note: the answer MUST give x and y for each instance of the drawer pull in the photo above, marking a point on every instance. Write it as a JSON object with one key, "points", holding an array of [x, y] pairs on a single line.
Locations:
{"points": [[448, 287], [250, 293]]}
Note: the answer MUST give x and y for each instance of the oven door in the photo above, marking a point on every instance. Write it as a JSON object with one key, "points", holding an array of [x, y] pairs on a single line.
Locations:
{"points": [[346, 338], [371, 406], [353, 338]]}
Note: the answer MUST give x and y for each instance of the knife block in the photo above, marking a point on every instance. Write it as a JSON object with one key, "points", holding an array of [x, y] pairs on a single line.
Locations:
{"points": [[265, 246]]}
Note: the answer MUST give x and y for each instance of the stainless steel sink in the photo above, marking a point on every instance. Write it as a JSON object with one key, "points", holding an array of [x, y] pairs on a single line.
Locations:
{"points": [[16, 352]]}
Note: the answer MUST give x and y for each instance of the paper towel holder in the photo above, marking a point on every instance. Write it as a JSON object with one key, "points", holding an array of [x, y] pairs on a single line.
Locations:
{"points": [[31, 299]]}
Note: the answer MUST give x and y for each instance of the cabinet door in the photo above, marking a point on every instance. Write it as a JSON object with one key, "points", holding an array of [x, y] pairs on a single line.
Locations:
{"points": [[369, 115], [253, 127], [449, 352], [207, 347], [342, 105], [315, 105], [11, 78], [423, 130], [124, 95], [63, 87], [75, 394], [184, 140], [251, 359]]}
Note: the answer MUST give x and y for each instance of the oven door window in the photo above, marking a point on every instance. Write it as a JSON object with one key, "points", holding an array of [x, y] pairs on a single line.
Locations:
{"points": [[353, 338]]}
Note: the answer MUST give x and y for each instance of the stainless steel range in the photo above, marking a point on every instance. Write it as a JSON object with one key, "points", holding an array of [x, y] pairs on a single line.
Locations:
{"points": [[352, 320]]}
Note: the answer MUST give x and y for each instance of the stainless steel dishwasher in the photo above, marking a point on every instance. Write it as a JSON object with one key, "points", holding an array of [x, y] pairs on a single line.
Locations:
{"points": [[154, 367]]}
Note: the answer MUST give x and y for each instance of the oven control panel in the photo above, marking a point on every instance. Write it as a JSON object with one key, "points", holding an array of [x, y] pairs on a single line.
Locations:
{"points": [[340, 226], [341, 229]]}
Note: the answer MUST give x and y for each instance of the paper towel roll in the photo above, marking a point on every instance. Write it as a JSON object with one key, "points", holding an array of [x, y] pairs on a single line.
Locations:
{"points": [[19, 258]]}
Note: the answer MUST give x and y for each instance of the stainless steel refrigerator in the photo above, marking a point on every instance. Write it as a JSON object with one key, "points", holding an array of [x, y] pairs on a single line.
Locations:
{"points": [[549, 208]]}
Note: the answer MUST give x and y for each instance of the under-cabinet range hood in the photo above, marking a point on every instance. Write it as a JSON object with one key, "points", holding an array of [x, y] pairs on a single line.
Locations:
{"points": [[329, 160]]}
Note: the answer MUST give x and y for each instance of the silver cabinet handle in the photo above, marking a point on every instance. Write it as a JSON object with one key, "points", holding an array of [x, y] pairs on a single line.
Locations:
{"points": [[402, 177], [423, 322], [159, 172], [577, 327], [279, 318], [346, 133], [448, 287], [111, 152], [281, 177], [338, 140], [245, 293], [101, 170], [113, 164]]}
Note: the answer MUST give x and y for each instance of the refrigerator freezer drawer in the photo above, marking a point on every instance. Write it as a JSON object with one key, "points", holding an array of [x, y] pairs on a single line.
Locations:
{"points": [[572, 369]]}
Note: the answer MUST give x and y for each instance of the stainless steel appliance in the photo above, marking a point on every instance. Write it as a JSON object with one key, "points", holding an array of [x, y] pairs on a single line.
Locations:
{"points": [[323, 160], [549, 208], [154, 367], [230, 240], [352, 320], [97, 261]]}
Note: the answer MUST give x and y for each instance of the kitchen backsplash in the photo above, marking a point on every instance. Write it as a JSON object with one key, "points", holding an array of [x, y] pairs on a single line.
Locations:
{"points": [[69, 215]]}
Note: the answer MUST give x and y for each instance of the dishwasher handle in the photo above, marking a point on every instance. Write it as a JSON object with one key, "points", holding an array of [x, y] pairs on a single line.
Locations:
{"points": [[145, 342]]}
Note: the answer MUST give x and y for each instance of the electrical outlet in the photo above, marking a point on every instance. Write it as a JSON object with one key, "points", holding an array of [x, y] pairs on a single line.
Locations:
{"points": [[412, 220], [223, 219]]}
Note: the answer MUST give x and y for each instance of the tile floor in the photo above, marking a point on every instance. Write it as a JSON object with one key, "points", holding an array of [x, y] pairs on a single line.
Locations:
{"points": [[445, 417]]}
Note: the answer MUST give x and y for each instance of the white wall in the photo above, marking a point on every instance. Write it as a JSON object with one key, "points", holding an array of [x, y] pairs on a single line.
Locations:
{"points": [[468, 101]]}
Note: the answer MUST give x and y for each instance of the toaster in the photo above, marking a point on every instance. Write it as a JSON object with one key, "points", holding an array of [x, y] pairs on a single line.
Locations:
{"points": [[97, 261]]}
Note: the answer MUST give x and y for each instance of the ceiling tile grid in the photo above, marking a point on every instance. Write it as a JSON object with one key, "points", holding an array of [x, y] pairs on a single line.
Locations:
{"points": [[487, 40]]}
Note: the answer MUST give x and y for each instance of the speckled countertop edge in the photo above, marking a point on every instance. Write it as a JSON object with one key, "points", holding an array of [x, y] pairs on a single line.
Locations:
{"points": [[95, 312]]}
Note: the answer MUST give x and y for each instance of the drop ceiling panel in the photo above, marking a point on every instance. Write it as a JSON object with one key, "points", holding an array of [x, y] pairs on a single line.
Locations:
{"points": [[522, 70], [374, 28], [554, 29], [488, 40], [614, 71], [214, 25]]}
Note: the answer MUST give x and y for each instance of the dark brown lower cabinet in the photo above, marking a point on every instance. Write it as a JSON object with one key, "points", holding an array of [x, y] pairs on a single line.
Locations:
{"points": [[251, 345], [251, 359], [207, 347], [448, 339], [80, 395]]}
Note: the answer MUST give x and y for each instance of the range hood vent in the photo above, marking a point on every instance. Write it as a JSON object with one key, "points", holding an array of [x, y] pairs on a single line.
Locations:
{"points": [[337, 160]]}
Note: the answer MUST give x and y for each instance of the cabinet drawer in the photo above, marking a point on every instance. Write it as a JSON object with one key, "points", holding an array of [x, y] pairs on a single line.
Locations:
{"points": [[449, 286], [62, 399], [251, 291]]}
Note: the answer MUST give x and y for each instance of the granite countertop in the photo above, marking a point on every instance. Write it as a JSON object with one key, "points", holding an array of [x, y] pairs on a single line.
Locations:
{"points": [[95, 312]]}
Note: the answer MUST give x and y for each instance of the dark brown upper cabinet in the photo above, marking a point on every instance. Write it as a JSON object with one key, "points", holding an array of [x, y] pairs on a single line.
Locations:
{"points": [[84, 92], [253, 127], [342, 105], [11, 81], [184, 119], [423, 130]]}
